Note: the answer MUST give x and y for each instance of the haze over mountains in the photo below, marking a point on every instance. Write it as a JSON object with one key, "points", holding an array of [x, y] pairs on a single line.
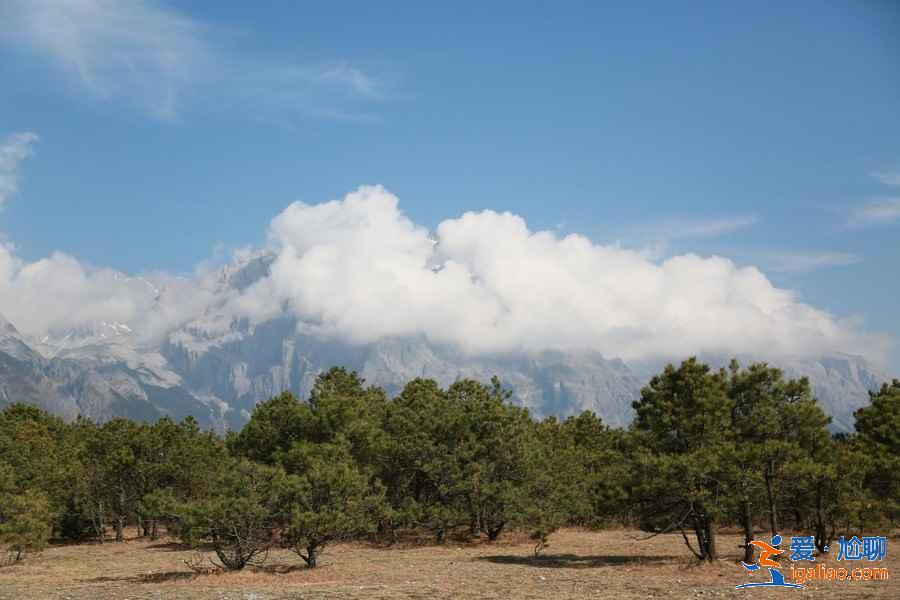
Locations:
{"points": [[217, 366]]}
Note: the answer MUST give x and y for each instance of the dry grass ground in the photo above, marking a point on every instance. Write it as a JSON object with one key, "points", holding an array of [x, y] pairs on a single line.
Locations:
{"points": [[579, 564]]}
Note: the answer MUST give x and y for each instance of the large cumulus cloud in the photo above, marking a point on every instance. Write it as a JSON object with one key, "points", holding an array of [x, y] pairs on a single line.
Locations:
{"points": [[359, 269]]}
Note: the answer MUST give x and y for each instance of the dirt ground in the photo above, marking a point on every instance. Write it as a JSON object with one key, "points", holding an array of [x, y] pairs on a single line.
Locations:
{"points": [[617, 564]]}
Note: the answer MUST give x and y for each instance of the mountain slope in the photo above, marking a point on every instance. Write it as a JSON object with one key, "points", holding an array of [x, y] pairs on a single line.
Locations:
{"points": [[840, 382], [98, 377], [249, 364]]}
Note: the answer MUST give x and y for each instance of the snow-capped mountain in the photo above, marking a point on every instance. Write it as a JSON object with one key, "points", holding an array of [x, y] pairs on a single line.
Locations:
{"points": [[217, 367], [89, 335], [97, 371]]}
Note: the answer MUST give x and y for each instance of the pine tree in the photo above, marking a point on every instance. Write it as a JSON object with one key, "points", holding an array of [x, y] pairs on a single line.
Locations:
{"points": [[683, 466], [328, 498]]}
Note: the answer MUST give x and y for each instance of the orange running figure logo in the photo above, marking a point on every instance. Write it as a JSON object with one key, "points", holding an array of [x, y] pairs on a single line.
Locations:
{"points": [[767, 551]]}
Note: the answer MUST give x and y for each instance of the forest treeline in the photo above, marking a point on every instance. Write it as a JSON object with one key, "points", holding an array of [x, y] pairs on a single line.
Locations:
{"points": [[738, 447]]}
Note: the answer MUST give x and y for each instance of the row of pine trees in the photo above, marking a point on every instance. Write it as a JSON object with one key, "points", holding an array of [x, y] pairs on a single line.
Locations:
{"points": [[708, 448]]}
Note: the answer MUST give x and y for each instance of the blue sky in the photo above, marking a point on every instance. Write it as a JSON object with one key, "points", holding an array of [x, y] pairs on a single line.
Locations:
{"points": [[765, 133]]}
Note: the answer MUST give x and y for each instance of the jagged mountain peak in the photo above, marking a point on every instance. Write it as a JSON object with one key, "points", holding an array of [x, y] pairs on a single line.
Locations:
{"points": [[246, 269], [14, 344], [7, 328], [98, 336]]}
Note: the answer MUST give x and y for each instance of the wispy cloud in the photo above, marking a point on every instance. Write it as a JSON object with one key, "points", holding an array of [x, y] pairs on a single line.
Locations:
{"points": [[887, 177], [13, 150], [333, 90], [804, 262], [164, 63], [343, 74], [686, 228], [880, 211], [136, 51]]}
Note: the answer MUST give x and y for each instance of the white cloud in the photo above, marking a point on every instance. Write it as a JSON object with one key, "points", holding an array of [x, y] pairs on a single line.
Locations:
{"points": [[13, 150], [804, 262], [711, 227], [113, 50], [163, 61], [344, 75], [887, 177], [881, 211], [360, 270], [686, 228], [54, 294]]}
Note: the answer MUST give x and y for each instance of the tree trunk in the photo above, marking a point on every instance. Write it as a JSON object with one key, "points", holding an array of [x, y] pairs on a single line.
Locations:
{"points": [[494, 532], [120, 518], [154, 530], [98, 524], [234, 561], [821, 530], [700, 534], [120, 528], [773, 514], [312, 554], [710, 540], [749, 550], [473, 527], [822, 540], [705, 531]]}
